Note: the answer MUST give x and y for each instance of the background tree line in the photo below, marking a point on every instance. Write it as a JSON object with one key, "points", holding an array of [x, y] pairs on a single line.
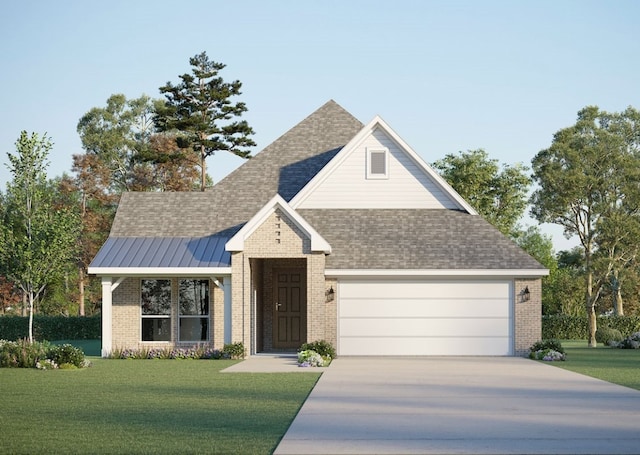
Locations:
{"points": [[587, 181], [52, 229]]}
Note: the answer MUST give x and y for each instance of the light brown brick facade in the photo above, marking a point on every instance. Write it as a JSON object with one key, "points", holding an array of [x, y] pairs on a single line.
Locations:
{"points": [[277, 244], [528, 314]]}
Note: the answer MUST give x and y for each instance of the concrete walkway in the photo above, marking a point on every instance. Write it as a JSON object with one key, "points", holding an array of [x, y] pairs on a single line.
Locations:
{"points": [[462, 406], [270, 363]]}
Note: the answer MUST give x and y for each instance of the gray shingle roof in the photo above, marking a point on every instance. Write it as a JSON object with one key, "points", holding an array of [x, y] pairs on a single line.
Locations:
{"points": [[283, 167], [360, 239], [415, 239]]}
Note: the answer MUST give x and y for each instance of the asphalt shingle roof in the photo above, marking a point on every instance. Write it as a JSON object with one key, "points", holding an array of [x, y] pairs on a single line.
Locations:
{"points": [[360, 239], [284, 167], [414, 239]]}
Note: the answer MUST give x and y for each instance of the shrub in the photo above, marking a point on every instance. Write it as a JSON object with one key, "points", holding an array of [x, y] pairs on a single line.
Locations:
{"points": [[552, 344], [68, 354], [548, 355], [631, 342], [324, 348], [51, 327], [234, 351], [22, 354], [41, 355], [608, 336], [196, 352], [566, 327], [309, 358]]}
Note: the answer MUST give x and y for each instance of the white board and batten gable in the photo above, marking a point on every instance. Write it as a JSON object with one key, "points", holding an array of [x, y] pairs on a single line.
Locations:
{"points": [[378, 170]]}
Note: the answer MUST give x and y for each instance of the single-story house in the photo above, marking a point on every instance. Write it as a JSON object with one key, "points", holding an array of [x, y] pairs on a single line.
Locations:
{"points": [[337, 231]]}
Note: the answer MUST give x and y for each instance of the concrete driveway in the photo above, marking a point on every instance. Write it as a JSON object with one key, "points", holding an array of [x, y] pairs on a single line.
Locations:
{"points": [[463, 405]]}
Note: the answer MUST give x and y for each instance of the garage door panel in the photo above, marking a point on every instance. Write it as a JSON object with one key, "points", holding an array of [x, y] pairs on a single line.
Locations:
{"points": [[385, 290], [424, 346], [423, 327], [411, 317], [424, 307]]}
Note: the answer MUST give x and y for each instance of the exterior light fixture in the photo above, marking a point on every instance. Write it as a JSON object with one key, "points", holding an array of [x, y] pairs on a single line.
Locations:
{"points": [[330, 294], [525, 295]]}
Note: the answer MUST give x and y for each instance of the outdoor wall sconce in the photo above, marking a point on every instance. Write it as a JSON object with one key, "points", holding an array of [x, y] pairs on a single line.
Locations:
{"points": [[525, 294], [329, 294]]}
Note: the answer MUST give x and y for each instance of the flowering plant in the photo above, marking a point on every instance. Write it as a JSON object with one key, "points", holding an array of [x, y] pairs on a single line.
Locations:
{"points": [[548, 355], [46, 364], [311, 358]]}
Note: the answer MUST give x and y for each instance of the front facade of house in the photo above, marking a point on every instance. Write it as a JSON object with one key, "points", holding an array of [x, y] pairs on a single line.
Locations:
{"points": [[337, 231]]}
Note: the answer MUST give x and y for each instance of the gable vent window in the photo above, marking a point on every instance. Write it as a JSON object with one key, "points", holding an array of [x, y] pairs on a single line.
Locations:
{"points": [[378, 163]]}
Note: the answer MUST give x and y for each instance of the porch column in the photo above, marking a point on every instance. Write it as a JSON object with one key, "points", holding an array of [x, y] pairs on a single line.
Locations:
{"points": [[107, 339], [226, 288]]}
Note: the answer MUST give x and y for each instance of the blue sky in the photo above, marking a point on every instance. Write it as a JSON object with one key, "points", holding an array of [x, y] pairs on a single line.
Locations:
{"points": [[446, 75]]}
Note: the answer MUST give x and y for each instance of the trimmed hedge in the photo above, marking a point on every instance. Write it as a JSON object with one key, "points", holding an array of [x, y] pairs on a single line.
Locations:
{"points": [[565, 327], [13, 328]]}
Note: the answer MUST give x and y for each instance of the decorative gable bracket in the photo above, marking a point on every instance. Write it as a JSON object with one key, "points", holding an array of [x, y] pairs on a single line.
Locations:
{"points": [[318, 243]]}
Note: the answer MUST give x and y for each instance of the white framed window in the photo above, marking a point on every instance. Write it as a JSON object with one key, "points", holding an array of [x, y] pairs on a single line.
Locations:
{"points": [[193, 310], [377, 163], [155, 303]]}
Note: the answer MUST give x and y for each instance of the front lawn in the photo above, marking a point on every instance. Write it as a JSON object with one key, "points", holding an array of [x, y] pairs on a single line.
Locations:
{"points": [[620, 366], [148, 406]]}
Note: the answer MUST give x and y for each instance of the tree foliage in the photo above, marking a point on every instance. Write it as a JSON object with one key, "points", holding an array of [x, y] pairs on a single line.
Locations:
{"points": [[37, 239], [126, 154], [588, 185], [200, 110], [499, 194]]}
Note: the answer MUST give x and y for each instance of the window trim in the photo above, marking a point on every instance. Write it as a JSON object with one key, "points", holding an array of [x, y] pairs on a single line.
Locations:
{"points": [[377, 176]]}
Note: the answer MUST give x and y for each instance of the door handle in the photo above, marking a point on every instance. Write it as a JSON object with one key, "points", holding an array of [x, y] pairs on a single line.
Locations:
{"points": [[278, 305]]}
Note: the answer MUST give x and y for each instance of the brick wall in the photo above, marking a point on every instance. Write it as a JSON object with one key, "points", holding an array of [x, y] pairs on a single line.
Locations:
{"points": [[277, 243], [528, 315]]}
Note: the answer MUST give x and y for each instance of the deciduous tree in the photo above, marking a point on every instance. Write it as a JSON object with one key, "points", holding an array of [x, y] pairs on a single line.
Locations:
{"points": [[499, 194], [37, 240], [588, 175]]}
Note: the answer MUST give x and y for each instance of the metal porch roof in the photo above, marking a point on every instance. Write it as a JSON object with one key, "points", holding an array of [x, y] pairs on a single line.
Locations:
{"points": [[162, 252]]}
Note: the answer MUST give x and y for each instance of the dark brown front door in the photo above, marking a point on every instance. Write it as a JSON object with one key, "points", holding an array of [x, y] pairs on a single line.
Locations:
{"points": [[290, 308]]}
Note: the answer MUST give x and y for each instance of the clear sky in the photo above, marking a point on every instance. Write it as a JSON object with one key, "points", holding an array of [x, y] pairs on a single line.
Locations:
{"points": [[446, 75]]}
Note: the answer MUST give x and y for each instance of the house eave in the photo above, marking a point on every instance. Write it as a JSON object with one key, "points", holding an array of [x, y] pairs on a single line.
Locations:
{"points": [[160, 271], [399, 273]]}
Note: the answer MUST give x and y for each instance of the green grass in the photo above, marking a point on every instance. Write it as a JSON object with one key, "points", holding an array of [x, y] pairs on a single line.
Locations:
{"points": [[148, 406], [620, 366]]}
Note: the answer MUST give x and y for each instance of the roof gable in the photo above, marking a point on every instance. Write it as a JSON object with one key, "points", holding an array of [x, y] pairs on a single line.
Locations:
{"points": [[318, 243], [284, 167], [410, 183]]}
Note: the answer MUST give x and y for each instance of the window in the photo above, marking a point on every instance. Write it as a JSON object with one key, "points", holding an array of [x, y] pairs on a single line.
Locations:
{"points": [[156, 310], [378, 163], [193, 302]]}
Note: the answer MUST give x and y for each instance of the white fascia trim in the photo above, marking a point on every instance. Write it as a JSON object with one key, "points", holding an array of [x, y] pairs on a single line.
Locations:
{"points": [[160, 271], [318, 243], [368, 129], [532, 273]]}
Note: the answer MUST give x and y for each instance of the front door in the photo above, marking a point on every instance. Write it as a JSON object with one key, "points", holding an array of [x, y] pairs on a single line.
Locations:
{"points": [[290, 308]]}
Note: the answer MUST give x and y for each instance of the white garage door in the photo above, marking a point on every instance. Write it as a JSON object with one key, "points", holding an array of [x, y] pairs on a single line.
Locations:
{"points": [[425, 318]]}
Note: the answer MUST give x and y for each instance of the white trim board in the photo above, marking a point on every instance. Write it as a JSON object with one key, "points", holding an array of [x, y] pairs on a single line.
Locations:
{"points": [[362, 273]]}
